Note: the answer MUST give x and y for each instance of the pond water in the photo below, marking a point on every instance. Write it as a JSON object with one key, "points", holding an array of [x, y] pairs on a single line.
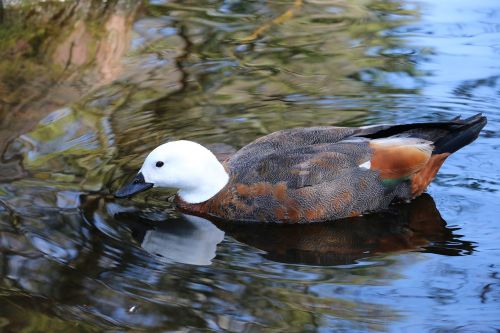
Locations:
{"points": [[87, 89]]}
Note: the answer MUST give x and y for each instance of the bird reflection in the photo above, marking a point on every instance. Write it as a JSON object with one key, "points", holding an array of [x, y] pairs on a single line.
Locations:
{"points": [[417, 225], [404, 227]]}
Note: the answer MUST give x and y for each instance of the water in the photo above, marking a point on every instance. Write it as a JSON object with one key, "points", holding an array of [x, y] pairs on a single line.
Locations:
{"points": [[86, 90]]}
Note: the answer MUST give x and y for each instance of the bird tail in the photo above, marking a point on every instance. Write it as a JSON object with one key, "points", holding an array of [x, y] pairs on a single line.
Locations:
{"points": [[461, 133], [446, 136]]}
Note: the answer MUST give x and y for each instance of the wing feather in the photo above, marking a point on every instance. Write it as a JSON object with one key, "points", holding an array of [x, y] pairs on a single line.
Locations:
{"points": [[399, 157]]}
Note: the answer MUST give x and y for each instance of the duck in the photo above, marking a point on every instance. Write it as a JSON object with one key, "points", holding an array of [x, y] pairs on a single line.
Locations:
{"points": [[306, 174]]}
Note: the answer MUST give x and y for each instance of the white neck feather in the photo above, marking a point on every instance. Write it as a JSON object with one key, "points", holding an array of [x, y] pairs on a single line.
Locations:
{"points": [[215, 180]]}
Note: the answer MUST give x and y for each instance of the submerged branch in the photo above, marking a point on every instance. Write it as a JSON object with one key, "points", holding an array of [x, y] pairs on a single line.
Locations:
{"points": [[279, 20]]}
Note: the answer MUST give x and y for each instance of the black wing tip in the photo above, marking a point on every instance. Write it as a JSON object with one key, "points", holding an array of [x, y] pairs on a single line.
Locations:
{"points": [[463, 133], [475, 119]]}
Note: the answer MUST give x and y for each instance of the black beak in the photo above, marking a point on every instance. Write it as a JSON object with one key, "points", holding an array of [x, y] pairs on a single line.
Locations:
{"points": [[136, 186]]}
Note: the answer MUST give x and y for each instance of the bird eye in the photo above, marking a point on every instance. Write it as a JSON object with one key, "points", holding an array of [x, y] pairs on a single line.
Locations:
{"points": [[159, 164]]}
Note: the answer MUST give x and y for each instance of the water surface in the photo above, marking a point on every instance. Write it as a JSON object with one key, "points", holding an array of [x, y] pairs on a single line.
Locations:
{"points": [[86, 90]]}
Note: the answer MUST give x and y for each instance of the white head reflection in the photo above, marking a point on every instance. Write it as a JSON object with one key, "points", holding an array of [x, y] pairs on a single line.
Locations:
{"points": [[195, 243]]}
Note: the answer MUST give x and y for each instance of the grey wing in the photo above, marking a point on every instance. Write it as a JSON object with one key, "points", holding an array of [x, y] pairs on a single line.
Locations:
{"points": [[311, 183], [282, 146], [303, 166]]}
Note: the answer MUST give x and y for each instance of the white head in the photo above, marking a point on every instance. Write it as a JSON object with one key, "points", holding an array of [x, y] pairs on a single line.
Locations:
{"points": [[185, 165]]}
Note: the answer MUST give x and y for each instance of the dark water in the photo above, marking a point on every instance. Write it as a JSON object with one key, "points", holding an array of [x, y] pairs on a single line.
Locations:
{"points": [[86, 90]]}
